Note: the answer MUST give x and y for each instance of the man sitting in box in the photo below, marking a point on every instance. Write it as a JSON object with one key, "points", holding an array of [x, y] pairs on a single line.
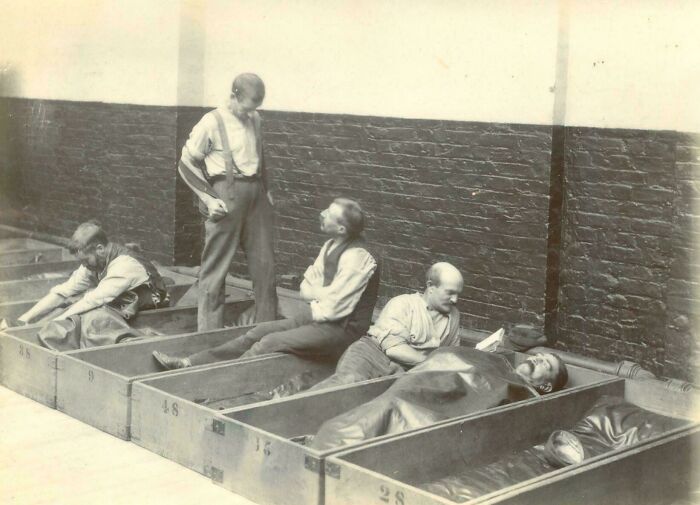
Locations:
{"points": [[112, 284], [408, 329]]}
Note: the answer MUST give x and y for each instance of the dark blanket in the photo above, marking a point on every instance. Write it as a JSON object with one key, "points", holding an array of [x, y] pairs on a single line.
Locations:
{"points": [[610, 424], [452, 382]]}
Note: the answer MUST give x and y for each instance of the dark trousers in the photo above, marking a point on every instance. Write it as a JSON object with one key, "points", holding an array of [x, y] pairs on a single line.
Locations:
{"points": [[248, 223], [363, 360], [298, 335]]}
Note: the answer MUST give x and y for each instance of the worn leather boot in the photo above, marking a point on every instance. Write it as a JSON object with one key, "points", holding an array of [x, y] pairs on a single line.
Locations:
{"points": [[170, 363]]}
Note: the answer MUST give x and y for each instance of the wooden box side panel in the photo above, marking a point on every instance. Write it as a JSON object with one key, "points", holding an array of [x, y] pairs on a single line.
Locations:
{"points": [[135, 358], [169, 426], [25, 256], [236, 379], [305, 413], [19, 272], [12, 310], [264, 468], [28, 369], [93, 395], [28, 290]]}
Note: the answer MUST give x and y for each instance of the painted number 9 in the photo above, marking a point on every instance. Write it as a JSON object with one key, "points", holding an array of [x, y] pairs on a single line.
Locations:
{"points": [[385, 496], [91, 375]]}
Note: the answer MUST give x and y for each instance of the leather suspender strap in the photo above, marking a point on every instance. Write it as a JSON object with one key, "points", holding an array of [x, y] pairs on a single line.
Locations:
{"points": [[262, 169], [228, 156]]}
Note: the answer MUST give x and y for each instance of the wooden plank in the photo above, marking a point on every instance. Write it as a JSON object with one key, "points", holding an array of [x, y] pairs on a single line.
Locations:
{"points": [[20, 243], [167, 420], [24, 256], [30, 369], [28, 290], [21, 272], [79, 395]]}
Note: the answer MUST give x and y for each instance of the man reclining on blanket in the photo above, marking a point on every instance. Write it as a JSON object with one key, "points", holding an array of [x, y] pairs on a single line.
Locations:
{"points": [[112, 284], [452, 382]]}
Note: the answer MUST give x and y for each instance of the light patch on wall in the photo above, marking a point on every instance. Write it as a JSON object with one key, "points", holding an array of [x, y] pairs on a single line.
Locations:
{"points": [[477, 60], [122, 51], [635, 65]]}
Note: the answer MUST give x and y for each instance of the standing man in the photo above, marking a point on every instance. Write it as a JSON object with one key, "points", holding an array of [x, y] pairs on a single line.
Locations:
{"points": [[340, 289], [223, 163]]}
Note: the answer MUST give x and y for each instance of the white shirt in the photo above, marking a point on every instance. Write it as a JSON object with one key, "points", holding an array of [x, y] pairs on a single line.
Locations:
{"points": [[405, 319], [123, 273], [340, 297], [205, 143]]}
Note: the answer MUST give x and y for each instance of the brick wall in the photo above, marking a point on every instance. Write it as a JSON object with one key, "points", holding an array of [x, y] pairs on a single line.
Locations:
{"points": [[591, 229], [624, 290], [93, 160]]}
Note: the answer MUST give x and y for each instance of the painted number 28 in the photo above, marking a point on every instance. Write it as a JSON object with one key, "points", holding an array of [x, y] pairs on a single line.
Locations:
{"points": [[385, 496]]}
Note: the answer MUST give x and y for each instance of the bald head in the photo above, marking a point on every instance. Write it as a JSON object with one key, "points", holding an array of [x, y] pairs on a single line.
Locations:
{"points": [[444, 283], [443, 272]]}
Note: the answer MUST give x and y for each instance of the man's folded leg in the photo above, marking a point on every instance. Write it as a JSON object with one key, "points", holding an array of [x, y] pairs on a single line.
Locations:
{"points": [[234, 348], [363, 360], [326, 341]]}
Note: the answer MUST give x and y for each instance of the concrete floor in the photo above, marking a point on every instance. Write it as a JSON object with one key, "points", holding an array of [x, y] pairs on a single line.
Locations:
{"points": [[47, 457]]}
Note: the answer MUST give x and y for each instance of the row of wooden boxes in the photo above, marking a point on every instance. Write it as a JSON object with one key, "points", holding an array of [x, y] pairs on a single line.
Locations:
{"points": [[226, 421]]}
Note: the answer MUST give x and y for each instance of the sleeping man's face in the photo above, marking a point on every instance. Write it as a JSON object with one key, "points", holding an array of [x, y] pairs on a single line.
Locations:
{"points": [[540, 371]]}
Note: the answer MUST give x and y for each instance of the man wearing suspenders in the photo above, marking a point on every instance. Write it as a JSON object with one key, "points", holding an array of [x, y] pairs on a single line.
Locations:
{"points": [[223, 163]]}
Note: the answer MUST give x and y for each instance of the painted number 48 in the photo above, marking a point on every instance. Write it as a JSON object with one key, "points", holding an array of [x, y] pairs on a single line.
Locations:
{"points": [[385, 496], [172, 409]]}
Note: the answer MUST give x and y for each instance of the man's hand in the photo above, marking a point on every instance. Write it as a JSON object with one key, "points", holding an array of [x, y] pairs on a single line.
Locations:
{"points": [[216, 209], [270, 199]]}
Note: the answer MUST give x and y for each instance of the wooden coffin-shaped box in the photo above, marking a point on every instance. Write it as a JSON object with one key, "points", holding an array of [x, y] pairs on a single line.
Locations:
{"points": [[469, 460], [256, 453], [95, 385], [29, 368], [171, 415]]}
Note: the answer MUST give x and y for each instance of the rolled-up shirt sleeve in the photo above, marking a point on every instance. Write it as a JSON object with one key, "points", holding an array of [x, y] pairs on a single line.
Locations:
{"points": [[199, 143], [340, 297], [392, 327], [79, 282]]}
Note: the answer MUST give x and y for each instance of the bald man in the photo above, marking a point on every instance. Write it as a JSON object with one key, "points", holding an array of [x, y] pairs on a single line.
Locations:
{"points": [[408, 329], [223, 163], [112, 284]]}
